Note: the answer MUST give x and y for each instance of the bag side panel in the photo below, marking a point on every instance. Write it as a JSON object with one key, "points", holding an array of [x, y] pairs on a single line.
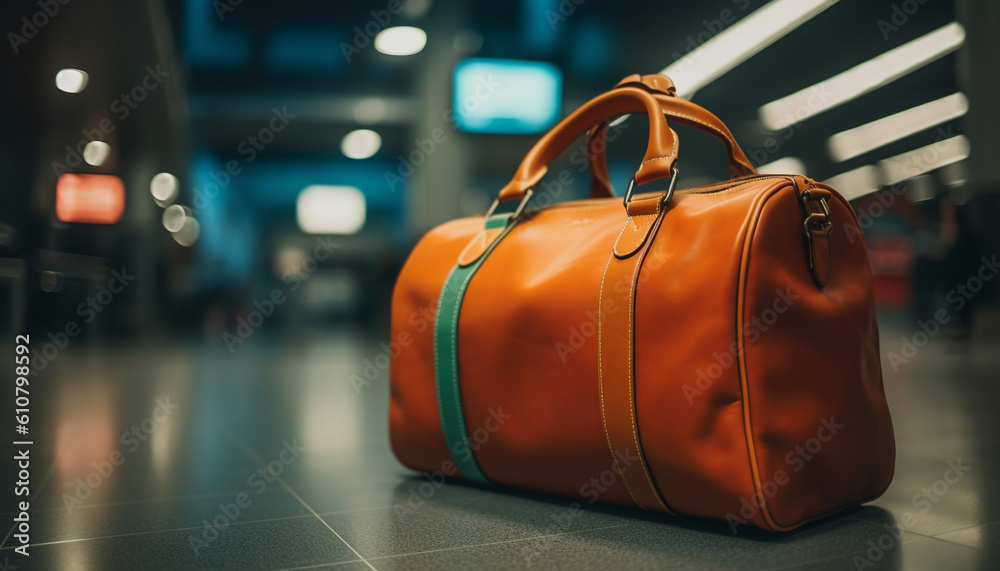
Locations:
{"points": [[819, 421]]}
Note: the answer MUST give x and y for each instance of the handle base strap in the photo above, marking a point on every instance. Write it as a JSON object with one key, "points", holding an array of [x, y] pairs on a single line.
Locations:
{"points": [[643, 213], [616, 351]]}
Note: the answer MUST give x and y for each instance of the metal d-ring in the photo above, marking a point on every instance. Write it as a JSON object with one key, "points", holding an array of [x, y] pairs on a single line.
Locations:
{"points": [[666, 198], [518, 210]]}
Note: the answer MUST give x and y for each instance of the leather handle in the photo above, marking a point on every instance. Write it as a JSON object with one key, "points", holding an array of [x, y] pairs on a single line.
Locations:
{"points": [[675, 107], [661, 151]]}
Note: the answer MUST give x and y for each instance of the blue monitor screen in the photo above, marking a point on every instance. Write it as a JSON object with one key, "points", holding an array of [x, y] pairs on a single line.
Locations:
{"points": [[506, 96]]}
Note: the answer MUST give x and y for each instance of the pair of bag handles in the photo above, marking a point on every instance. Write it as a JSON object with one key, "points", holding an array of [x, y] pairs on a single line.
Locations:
{"points": [[653, 95]]}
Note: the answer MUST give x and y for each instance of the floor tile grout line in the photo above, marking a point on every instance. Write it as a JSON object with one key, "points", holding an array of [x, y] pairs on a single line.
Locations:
{"points": [[981, 524], [940, 535], [260, 461], [817, 561], [251, 522], [180, 498], [411, 553], [151, 532], [318, 565], [861, 518], [931, 536], [38, 490], [137, 502], [506, 541], [980, 549]]}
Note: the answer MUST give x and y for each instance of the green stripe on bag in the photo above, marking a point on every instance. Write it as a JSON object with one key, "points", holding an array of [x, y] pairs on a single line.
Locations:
{"points": [[446, 359]]}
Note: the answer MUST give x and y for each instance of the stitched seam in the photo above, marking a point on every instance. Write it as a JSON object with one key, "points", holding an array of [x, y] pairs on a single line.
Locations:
{"points": [[673, 151], [765, 512], [453, 334], [461, 257], [631, 382], [454, 366], [600, 382], [622, 231], [657, 158], [454, 351], [725, 186], [709, 125], [481, 237], [644, 224], [437, 368], [614, 251]]}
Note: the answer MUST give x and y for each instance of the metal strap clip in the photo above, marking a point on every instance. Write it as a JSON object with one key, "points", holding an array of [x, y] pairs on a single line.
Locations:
{"points": [[517, 211], [818, 220], [666, 197]]}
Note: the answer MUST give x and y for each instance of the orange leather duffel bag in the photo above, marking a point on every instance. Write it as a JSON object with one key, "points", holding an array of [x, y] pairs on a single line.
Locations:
{"points": [[709, 351]]}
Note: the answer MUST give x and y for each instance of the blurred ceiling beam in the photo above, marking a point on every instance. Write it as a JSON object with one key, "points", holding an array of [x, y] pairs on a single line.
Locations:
{"points": [[313, 109]]}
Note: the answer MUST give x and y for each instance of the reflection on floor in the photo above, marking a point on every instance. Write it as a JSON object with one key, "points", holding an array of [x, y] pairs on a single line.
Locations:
{"points": [[150, 457]]}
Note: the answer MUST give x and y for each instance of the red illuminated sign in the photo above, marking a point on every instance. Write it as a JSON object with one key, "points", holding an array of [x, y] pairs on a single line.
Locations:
{"points": [[90, 198]]}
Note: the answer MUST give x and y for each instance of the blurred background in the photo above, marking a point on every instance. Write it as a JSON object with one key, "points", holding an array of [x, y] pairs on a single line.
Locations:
{"points": [[186, 135], [218, 195]]}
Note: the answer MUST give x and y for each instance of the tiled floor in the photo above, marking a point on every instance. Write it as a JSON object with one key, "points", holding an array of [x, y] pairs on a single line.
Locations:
{"points": [[342, 502]]}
